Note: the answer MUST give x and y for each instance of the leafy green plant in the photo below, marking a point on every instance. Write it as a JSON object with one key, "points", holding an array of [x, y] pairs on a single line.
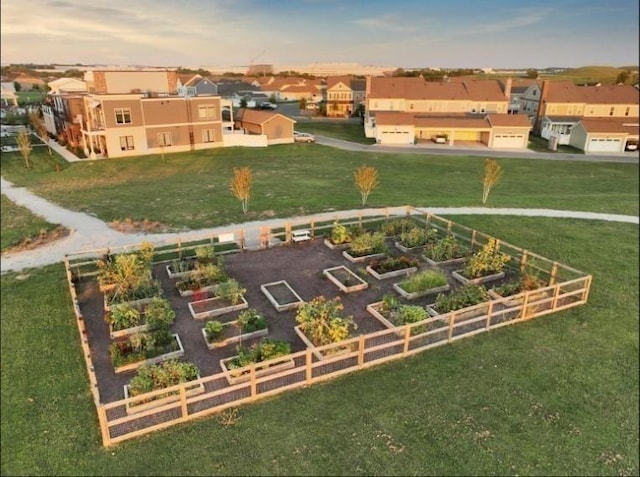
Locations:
{"points": [[424, 280], [418, 236], [231, 290], [251, 320], [390, 264], [400, 314], [181, 265], [463, 297], [204, 275], [487, 260], [141, 346], [394, 227], [205, 254], [368, 243], [320, 320], [158, 313], [123, 316], [213, 330], [162, 375], [527, 280], [447, 248], [340, 234], [263, 350]]}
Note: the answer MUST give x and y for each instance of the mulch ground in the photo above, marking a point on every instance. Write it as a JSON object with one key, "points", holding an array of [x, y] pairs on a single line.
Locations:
{"points": [[300, 265]]}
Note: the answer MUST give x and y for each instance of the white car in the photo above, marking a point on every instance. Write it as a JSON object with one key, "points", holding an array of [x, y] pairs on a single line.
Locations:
{"points": [[303, 137]]}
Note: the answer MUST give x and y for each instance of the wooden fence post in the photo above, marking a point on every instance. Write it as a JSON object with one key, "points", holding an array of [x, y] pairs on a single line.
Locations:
{"points": [[556, 293], [489, 314], [525, 302], [287, 232], [179, 248], [264, 236], [308, 368], [587, 288], [449, 224], [104, 428], [523, 260], [241, 239], [473, 239], [183, 402], [452, 320], [254, 390], [361, 351], [312, 227], [407, 334], [554, 273]]}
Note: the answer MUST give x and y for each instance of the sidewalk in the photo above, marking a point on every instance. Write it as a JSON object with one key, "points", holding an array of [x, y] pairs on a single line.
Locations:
{"points": [[90, 233]]}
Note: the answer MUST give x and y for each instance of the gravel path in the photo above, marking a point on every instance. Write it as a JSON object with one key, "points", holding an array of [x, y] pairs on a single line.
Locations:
{"points": [[89, 233]]}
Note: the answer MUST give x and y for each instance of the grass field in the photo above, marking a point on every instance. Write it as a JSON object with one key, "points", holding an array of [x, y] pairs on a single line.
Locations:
{"points": [[554, 396], [18, 223], [192, 189], [353, 132], [30, 97]]}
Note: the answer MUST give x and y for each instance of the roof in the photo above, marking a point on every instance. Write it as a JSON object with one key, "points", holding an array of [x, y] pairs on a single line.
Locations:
{"points": [[392, 118], [417, 88], [564, 119], [188, 79], [568, 92], [257, 116], [509, 120], [611, 125]]}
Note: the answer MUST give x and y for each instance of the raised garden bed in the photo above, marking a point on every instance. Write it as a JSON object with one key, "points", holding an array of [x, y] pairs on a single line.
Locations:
{"points": [[178, 351], [281, 295], [138, 404], [240, 375], [375, 309], [458, 275], [391, 267], [321, 354], [361, 258], [216, 306], [207, 289], [445, 263], [232, 333], [136, 303], [336, 246], [345, 279], [186, 269], [413, 295]]}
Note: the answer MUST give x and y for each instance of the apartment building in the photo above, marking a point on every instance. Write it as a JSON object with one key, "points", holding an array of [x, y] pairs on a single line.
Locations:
{"points": [[406, 110], [150, 82]]}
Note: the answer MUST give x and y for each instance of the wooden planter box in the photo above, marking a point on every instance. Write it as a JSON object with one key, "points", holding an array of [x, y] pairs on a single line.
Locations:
{"points": [[339, 246], [127, 331], [338, 275], [135, 303], [373, 309], [399, 246], [487, 278], [179, 274], [240, 375], [414, 295], [235, 338], [281, 295], [208, 288], [361, 259], [461, 315], [321, 355], [156, 359], [137, 404], [394, 273], [216, 306], [445, 263], [518, 299]]}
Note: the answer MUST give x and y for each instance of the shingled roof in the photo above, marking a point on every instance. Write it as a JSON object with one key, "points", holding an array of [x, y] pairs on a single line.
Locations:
{"points": [[568, 92], [418, 88]]}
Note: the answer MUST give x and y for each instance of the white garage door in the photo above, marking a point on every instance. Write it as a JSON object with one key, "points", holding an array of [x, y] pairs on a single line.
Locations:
{"points": [[509, 140], [604, 145]]}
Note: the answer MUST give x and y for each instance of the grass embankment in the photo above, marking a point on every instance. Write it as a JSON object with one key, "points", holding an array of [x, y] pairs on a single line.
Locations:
{"points": [[192, 189], [555, 396], [19, 224]]}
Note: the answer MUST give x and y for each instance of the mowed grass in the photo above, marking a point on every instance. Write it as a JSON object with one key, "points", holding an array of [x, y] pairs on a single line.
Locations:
{"points": [[348, 131], [554, 396], [18, 224], [192, 189]]}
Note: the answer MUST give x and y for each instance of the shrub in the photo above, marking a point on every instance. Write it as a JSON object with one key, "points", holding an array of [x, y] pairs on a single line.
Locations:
{"points": [[123, 316], [264, 350], [158, 313], [368, 243], [447, 248], [395, 227], [390, 264], [250, 320], [424, 281], [213, 330], [162, 375], [340, 234], [417, 237], [231, 290]]}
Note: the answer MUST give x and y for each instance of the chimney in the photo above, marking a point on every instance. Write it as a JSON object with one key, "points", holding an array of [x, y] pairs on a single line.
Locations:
{"points": [[544, 92], [507, 88]]}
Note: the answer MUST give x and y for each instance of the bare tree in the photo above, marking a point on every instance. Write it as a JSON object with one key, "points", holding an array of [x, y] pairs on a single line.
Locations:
{"points": [[39, 127], [241, 186], [24, 143], [366, 179], [492, 175]]}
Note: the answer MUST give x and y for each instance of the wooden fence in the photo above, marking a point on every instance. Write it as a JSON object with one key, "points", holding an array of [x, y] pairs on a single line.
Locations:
{"points": [[566, 288]]}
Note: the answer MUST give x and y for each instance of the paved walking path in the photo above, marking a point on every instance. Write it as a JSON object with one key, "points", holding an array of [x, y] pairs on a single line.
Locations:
{"points": [[89, 233]]}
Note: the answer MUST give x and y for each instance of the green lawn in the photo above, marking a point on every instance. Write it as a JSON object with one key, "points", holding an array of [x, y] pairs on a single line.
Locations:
{"points": [[353, 132], [30, 97], [540, 144], [192, 189], [554, 396], [18, 223]]}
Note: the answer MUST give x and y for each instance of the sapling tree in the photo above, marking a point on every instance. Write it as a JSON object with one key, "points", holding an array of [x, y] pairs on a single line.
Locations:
{"points": [[39, 127], [366, 179], [24, 143], [492, 175], [241, 186]]}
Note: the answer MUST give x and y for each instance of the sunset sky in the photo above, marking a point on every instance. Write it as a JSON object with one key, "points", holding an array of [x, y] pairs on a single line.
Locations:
{"points": [[401, 33]]}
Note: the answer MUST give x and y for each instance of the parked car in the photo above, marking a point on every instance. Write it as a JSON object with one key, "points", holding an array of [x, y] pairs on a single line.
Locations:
{"points": [[303, 137], [267, 105]]}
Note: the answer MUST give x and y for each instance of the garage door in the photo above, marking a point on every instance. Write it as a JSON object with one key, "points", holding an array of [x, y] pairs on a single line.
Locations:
{"points": [[466, 136], [604, 145], [509, 140]]}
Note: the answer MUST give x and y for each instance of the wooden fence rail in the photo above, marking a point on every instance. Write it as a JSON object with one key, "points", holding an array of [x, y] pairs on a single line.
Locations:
{"points": [[567, 288]]}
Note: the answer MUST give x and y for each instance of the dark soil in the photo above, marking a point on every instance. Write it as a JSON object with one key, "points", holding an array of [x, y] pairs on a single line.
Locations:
{"points": [[300, 265]]}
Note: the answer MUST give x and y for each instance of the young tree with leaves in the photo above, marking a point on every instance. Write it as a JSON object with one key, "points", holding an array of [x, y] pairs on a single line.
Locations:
{"points": [[39, 127], [24, 143], [241, 186], [366, 179], [492, 175]]}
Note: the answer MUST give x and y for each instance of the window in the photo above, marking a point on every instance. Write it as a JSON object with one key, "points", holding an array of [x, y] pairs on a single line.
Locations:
{"points": [[208, 135], [626, 111], [611, 110], [207, 112], [164, 139], [123, 115], [126, 143]]}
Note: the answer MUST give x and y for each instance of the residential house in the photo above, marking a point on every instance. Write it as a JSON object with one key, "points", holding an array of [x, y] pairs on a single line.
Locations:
{"points": [[556, 107], [148, 82], [406, 110], [514, 89], [344, 95], [117, 125], [62, 116], [277, 127], [605, 134], [196, 85]]}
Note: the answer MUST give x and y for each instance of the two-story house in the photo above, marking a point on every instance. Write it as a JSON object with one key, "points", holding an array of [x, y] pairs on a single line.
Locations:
{"points": [[401, 110], [556, 108], [344, 95], [196, 85]]}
